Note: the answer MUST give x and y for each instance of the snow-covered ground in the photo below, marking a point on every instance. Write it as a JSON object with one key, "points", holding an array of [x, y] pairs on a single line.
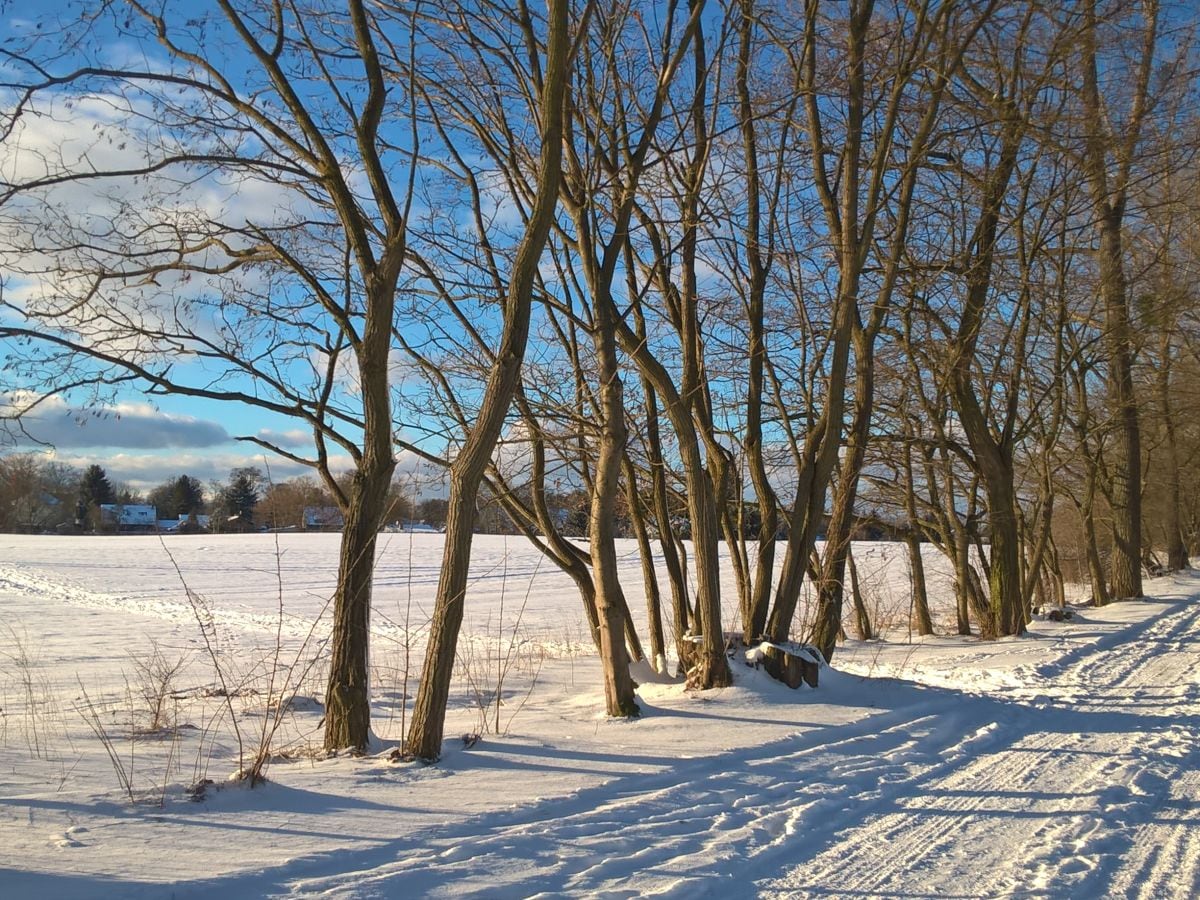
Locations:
{"points": [[1062, 764]]}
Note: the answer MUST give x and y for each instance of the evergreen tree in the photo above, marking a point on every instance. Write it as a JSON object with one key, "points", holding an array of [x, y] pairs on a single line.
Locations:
{"points": [[175, 497], [94, 489], [187, 495], [239, 497]]}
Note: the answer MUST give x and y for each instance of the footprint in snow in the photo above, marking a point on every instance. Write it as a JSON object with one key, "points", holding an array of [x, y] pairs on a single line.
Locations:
{"points": [[1076, 865]]}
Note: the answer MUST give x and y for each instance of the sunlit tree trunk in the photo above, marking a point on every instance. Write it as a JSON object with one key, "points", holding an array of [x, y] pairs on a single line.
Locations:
{"points": [[467, 470], [1108, 163]]}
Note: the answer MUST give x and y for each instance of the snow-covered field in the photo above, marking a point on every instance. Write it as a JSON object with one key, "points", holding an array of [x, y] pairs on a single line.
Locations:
{"points": [[1062, 764]]}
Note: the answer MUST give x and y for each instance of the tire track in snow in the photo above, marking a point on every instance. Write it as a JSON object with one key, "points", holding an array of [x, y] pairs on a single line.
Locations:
{"points": [[684, 831], [940, 834], [1155, 850], [675, 835], [662, 834], [1052, 813], [1164, 859]]}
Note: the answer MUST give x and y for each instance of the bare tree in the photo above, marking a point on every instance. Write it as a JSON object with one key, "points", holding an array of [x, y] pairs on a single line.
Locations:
{"points": [[546, 81], [1113, 136], [175, 282]]}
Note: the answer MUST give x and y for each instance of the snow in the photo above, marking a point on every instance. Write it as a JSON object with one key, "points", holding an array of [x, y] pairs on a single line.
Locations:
{"points": [[1060, 764]]}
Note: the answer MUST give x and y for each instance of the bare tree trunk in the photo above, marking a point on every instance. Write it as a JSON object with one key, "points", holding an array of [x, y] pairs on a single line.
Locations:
{"points": [[681, 608], [1054, 573], [347, 699], [862, 617], [680, 605], [1039, 542], [969, 596], [611, 153], [1005, 601], [733, 529], [852, 198], [758, 260], [1108, 160], [842, 213], [706, 490], [1125, 461], [831, 586], [364, 505], [1177, 556], [912, 539], [993, 456], [920, 592], [658, 647], [1087, 515], [610, 602], [468, 468]]}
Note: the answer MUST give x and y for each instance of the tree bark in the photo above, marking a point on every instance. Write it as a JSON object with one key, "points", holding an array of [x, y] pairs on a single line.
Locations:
{"points": [[658, 646], [920, 594], [862, 617], [347, 699], [1108, 162], [1177, 555], [618, 685], [467, 470]]}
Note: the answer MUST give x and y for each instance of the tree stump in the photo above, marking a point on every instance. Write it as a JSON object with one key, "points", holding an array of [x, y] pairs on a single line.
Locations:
{"points": [[791, 665]]}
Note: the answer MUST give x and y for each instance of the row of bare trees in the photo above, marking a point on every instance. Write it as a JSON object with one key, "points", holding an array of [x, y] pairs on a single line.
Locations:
{"points": [[760, 272]]}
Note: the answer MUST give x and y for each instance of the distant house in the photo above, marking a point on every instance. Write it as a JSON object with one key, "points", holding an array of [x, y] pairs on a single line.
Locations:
{"points": [[323, 518], [172, 526], [128, 516], [409, 526]]}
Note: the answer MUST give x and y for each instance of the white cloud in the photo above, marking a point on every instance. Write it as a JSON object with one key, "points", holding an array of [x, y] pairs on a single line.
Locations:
{"points": [[136, 426], [295, 437]]}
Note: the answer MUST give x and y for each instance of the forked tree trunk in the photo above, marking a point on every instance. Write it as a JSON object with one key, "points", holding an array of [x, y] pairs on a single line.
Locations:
{"points": [[708, 667], [993, 455], [844, 214], [831, 587], [813, 477]]}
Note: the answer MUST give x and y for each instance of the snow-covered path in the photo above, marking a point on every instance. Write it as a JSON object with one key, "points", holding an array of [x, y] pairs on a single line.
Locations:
{"points": [[1081, 783]]}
